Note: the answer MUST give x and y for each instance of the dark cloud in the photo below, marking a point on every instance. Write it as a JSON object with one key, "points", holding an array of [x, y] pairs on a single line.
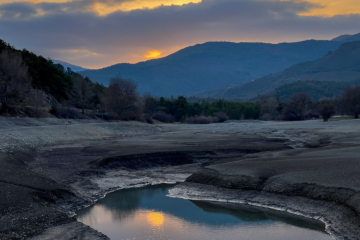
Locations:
{"points": [[65, 32], [16, 11]]}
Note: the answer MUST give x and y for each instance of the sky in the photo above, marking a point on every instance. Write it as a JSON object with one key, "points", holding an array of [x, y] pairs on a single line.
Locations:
{"points": [[96, 34]]}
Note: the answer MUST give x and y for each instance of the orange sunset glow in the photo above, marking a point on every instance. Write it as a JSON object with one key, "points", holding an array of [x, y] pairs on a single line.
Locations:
{"points": [[329, 8], [153, 54], [326, 8], [104, 8], [104, 33]]}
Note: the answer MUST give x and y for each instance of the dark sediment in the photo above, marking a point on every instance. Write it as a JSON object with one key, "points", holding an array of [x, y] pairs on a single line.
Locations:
{"points": [[42, 188]]}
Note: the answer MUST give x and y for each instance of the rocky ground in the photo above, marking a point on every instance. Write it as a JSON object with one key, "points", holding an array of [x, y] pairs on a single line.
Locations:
{"points": [[50, 168]]}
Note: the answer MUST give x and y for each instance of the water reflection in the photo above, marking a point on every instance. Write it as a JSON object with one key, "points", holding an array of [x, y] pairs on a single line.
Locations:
{"points": [[146, 213], [156, 219], [248, 214]]}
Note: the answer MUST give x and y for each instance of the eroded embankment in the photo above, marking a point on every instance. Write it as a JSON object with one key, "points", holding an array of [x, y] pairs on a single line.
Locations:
{"points": [[48, 172], [44, 185], [322, 184]]}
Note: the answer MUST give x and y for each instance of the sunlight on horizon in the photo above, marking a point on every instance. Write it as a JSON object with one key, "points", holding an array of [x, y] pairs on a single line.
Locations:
{"points": [[324, 8], [104, 9], [330, 8], [153, 54]]}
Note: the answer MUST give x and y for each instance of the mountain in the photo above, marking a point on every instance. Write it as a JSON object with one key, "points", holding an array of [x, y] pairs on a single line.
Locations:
{"points": [[342, 65], [68, 65], [213, 65], [347, 38]]}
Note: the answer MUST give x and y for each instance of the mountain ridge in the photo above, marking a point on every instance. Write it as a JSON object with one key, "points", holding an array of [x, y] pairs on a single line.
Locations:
{"points": [[347, 38], [342, 65], [66, 65], [212, 65]]}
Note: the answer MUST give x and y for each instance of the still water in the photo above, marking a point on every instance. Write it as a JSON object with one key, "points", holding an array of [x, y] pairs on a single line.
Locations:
{"points": [[147, 214]]}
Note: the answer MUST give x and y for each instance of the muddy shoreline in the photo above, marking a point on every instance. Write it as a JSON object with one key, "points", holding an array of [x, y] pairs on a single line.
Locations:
{"points": [[85, 161]]}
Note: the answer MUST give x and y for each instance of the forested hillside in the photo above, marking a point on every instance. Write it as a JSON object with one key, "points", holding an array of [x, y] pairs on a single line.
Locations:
{"points": [[31, 84], [341, 65], [315, 89], [45, 75], [66, 65]]}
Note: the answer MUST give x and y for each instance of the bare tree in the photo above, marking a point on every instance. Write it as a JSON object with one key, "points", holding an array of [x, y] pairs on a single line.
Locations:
{"points": [[15, 81], [81, 92], [326, 109], [268, 107], [351, 101], [297, 106], [38, 101], [122, 98]]}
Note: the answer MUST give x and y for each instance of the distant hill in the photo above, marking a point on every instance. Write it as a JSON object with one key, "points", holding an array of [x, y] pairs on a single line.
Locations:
{"points": [[213, 65], [347, 38], [66, 65], [342, 65], [315, 89]]}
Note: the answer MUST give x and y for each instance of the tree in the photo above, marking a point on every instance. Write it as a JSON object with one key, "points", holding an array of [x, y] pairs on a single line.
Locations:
{"points": [[181, 105], [326, 109], [81, 92], [151, 104], [351, 101], [38, 101], [268, 107], [122, 99], [98, 89], [297, 106], [47, 76], [14, 79]]}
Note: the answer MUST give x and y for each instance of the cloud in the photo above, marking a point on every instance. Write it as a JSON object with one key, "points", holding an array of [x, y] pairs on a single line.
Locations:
{"points": [[17, 11], [57, 29], [100, 8], [330, 8]]}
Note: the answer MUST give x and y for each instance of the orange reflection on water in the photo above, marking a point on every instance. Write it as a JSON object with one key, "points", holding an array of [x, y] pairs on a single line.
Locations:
{"points": [[156, 219], [143, 224]]}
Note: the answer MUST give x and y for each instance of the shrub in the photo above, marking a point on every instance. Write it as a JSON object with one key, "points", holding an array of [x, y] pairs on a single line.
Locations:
{"points": [[36, 112], [61, 111], [147, 118], [326, 109], [311, 114], [163, 117], [266, 117], [201, 120], [351, 101], [222, 117]]}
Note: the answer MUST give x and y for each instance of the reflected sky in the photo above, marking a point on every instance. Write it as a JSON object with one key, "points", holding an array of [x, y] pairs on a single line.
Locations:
{"points": [[146, 213]]}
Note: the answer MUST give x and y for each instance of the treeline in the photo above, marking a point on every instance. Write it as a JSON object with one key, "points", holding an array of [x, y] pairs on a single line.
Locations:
{"points": [[302, 107], [180, 110], [31, 85]]}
